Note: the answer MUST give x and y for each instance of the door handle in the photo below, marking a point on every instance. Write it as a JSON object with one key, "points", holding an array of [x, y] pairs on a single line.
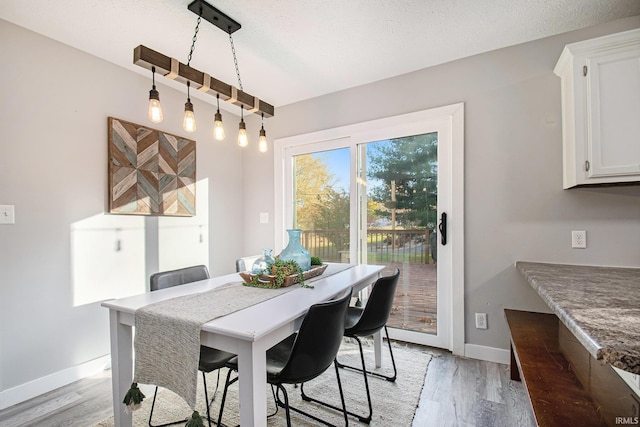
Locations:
{"points": [[442, 227]]}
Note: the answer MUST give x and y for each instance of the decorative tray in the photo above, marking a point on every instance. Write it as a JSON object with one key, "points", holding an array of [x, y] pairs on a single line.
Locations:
{"points": [[269, 281]]}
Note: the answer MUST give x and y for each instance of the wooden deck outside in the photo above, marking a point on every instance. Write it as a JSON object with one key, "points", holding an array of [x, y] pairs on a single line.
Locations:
{"points": [[415, 303]]}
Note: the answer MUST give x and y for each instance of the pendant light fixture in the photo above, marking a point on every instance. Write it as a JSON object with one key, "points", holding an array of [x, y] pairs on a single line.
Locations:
{"points": [[262, 140], [218, 128], [155, 110], [175, 70], [243, 141], [189, 122]]}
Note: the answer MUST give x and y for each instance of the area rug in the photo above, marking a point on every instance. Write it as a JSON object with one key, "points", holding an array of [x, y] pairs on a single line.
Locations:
{"points": [[394, 403]]}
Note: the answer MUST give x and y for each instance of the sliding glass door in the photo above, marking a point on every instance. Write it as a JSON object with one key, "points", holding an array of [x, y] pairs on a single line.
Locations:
{"points": [[377, 196], [398, 210]]}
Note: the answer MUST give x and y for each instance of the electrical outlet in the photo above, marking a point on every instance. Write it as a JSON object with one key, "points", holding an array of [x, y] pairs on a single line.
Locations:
{"points": [[7, 214], [481, 320], [579, 239]]}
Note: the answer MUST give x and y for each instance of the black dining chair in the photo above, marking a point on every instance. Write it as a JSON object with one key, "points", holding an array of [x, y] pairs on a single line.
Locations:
{"points": [[366, 321], [211, 359], [304, 355]]}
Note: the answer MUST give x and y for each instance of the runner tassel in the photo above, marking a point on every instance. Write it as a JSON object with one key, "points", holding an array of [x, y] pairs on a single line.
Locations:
{"points": [[195, 420], [133, 399]]}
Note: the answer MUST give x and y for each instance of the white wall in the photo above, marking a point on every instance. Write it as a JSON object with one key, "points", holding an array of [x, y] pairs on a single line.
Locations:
{"points": [[515, 206], [60, 260]]}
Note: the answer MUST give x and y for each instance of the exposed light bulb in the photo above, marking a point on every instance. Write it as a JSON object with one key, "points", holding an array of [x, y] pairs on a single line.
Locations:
{"points": [[243, 141], [155, 110], [218, 128], [262, 141], [189, 122]]}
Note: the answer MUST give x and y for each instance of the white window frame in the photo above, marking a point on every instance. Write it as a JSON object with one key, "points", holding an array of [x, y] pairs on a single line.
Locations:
{"points": [[450, 116]]}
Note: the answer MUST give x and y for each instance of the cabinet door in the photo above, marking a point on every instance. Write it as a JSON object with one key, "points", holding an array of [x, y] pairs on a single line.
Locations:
{"points": [[613, 113]]}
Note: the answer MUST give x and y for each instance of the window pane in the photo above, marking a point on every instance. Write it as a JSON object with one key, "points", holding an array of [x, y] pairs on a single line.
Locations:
{"points": [[401, 180], [321, 198]]}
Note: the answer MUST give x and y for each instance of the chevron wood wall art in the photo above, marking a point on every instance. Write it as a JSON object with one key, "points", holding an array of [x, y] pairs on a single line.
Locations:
{"points": [[150, 172]]}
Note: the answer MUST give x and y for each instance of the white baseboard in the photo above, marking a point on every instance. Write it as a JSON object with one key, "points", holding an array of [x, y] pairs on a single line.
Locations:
{"points": [[53, 381], [490, 354]]}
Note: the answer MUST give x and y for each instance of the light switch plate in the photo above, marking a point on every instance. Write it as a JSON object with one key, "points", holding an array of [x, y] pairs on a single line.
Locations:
{"points": [[7, 214], [264, 217]]}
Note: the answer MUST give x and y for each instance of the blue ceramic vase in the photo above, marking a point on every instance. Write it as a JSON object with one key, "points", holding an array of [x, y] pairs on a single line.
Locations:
{"points": [[294, 251]]}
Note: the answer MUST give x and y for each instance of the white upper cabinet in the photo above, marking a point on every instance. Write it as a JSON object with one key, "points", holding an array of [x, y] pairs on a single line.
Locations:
{"points": [[601, 110]]}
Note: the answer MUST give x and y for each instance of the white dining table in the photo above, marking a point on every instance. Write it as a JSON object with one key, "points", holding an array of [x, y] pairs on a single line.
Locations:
{"points": [[247, 333]]}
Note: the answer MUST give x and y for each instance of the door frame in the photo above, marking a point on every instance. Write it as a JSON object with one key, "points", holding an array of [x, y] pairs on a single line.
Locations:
{"points": [[450, 116]]}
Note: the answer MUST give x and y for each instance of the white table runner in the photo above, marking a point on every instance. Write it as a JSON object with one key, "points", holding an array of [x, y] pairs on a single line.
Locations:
{"points": [[167, 337]]}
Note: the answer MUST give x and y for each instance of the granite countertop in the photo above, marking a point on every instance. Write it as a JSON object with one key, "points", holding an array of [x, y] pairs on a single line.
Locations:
{"points": [[599, 305]]}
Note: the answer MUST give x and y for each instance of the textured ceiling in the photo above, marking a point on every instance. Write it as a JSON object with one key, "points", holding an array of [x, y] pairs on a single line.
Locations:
{"points": [[291, 50]]}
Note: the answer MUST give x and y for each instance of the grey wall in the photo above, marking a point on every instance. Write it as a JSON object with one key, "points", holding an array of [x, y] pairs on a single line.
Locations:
{"points": [[515, 208], [53, 167]]}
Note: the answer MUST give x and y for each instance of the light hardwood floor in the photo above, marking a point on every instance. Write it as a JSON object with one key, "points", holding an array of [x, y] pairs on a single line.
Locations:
{"points": [[457, 392], [469, 392]]}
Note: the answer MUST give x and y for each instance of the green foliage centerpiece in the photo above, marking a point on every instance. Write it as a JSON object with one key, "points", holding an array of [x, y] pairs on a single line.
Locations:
{"points": [[275, 275], [283, 273]]}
